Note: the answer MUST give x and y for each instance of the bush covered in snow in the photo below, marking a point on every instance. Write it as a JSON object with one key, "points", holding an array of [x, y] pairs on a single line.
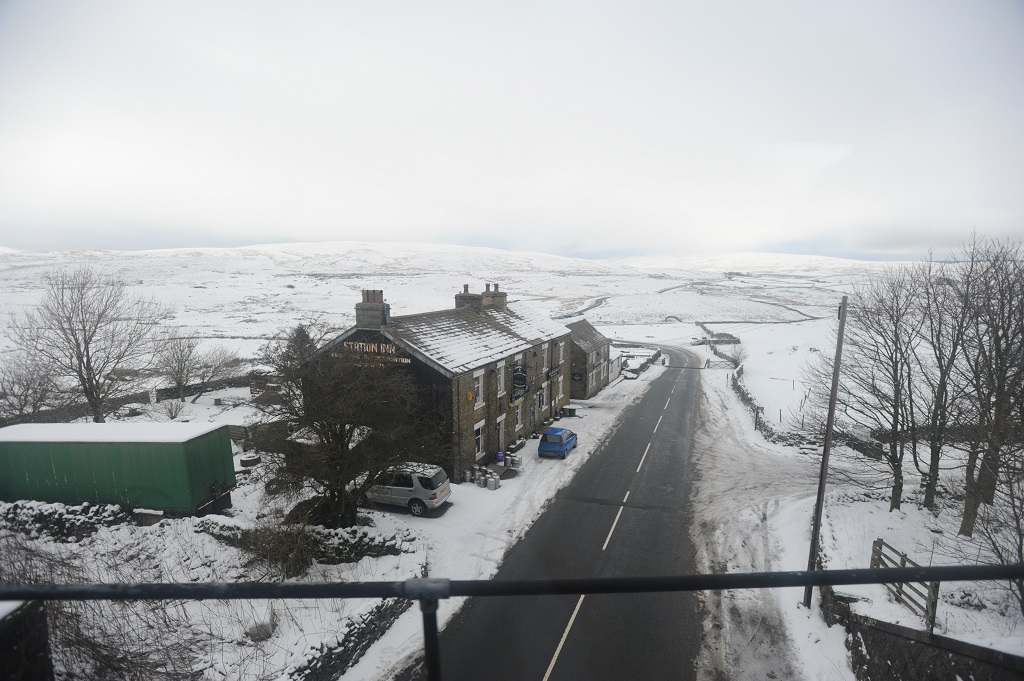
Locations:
{"points": [[294, 548]]}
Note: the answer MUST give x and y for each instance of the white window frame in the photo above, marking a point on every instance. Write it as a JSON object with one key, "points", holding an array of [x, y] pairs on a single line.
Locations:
{"points": [[478, 380], [545, 397], [560, 393], [478, 439], [519, 417], [561, 353], [501, 378], [544, 355]]}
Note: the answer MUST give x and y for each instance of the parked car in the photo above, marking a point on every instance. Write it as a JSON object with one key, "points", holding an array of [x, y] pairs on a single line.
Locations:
{"points": [[419, 487], [556, 442]]}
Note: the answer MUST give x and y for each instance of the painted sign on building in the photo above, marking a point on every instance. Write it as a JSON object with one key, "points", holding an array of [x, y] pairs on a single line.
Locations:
{"points": [[380, 351]]}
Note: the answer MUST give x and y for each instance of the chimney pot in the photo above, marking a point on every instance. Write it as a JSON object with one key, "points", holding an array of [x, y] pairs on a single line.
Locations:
{"points": [[373, 312], [495, 287], [488, 287], [465, 288]]}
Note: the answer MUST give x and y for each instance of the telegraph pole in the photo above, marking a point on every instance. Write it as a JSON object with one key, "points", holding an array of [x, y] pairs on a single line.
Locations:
{"points": [[812, 563]]}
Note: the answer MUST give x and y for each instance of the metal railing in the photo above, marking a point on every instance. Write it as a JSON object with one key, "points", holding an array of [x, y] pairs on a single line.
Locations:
{"points": [[429, 591]]}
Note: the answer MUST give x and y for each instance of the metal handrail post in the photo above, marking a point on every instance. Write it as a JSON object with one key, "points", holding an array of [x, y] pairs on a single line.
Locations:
{"points": [[428, 591], [431, 645]]}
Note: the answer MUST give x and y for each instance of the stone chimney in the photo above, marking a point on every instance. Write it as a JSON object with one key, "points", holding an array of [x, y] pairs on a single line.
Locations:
{"points": [[373, 312], [467, 299], [496, 299]]}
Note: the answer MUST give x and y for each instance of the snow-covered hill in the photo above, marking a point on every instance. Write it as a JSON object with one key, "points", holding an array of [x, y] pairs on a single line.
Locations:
{"points": [[243, 295]]}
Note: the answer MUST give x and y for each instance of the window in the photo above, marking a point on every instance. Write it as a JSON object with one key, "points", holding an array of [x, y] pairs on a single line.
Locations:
{"points": [[540, 396], [478, 387], [519, 416], [560, 393], [432, 483], [544, 355], [561, 352], [501, 433], [501, 378], [478, 439]]}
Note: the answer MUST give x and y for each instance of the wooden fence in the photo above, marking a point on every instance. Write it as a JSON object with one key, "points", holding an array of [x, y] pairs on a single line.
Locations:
{"points": [[921, 597]]}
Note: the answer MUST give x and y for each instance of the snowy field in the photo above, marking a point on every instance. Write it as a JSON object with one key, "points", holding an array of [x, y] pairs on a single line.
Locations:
{"points": [[753, 498]]}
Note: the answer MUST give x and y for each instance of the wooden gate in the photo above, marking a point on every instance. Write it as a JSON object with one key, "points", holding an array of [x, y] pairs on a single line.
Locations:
{"points": [[921, 597]]}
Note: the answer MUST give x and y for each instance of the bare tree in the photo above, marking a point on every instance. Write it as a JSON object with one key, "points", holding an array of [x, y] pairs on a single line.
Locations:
{"points": [[213, 365], [180, 361], [878, 380], [1001, 526], [354, 415], [994, 359], [92, 332], [944, 292], [27, 387], [172, 409], [738, 355], [175, 359]]}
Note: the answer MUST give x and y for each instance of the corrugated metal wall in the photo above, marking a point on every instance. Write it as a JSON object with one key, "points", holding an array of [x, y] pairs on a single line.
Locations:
{"points": [[178, 477]]}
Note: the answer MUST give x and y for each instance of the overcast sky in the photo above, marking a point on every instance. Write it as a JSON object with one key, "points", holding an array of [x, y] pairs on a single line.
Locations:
{"points": [[864, 129]]}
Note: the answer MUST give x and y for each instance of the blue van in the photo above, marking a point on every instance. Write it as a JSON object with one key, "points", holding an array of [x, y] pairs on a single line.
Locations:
{"points": [[556, 442]]}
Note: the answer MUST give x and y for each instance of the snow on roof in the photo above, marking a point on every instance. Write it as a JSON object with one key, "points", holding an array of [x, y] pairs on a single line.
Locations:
{"points": [[586, 336], [464, 338], [106, 432]]}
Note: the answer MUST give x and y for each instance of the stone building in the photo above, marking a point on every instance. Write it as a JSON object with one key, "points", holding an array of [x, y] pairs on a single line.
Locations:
{"points": [[496, 371], [590, 357]]}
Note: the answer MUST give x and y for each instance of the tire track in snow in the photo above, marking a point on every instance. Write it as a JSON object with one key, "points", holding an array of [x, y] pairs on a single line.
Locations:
{"points": [[739, 485]]}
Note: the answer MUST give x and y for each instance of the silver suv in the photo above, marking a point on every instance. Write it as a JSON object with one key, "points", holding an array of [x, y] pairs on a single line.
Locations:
{"points": [[419, 487]]}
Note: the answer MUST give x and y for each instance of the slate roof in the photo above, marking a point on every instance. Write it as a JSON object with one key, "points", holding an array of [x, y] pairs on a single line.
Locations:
{"points": [[586, 337], [461, 339]]}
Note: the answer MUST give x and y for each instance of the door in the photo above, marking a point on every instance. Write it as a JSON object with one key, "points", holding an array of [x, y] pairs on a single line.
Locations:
{"points": [[380, 492], [401, 489]]}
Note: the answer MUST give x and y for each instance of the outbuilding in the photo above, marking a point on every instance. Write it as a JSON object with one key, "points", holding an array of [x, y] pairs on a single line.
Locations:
{"points": [[590, 356], [179, 468]]}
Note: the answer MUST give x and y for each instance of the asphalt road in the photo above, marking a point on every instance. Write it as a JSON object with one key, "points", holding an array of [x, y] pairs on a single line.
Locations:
{"points": [[626, 513]]}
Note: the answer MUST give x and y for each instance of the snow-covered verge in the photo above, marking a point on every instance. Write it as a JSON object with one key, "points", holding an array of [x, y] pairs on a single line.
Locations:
{"points": [[754, 502]]}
